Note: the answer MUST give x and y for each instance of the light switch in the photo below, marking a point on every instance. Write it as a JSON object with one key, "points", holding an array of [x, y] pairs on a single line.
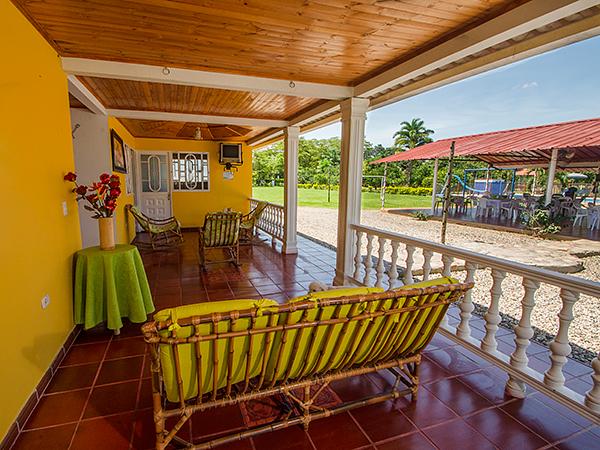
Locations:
{"points": [[65, 209]]}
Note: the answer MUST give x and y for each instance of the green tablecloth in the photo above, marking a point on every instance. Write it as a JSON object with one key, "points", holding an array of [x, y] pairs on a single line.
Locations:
{"points": [[110, 284]]}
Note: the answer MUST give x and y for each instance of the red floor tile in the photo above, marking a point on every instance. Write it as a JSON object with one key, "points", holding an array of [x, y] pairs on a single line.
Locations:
{"points": [[489, 383], [215, 421], [121, 347], [339, 432], [370, 420], [56, 409], [54, 438], [291, 438], [426, 411], [113, 432], [83, 354], [503, 431], [541, 419], [457, 396], [73, 377], [112, 399], [457, 434], [414, 441], [586, 440], [122, 369]]}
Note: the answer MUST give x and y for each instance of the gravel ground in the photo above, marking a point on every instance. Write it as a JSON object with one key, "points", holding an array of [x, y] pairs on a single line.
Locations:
{"points": [[322, 224]]}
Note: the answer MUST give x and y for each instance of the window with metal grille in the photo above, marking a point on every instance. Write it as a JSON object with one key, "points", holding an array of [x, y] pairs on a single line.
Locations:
{"points": [[190, 171]]}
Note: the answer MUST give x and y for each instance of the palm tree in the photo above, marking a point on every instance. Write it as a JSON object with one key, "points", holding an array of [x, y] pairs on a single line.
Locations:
{"points": [[411, 135]]}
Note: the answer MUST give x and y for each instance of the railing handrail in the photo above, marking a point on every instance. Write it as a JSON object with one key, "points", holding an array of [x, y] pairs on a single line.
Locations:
{"points": [[276, 205], [560, 280]]}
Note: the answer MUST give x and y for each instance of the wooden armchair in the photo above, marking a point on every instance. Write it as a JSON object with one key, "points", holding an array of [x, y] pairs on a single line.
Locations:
{"points": [[221, 230], [249, 222], [164, 233], [224, 353]]}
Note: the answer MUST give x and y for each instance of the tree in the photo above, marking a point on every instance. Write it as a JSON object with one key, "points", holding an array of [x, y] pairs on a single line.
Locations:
{"points": [[410, 135]]}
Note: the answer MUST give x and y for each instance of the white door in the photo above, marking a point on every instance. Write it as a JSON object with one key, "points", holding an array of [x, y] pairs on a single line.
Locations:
{"points": [[155, 185]]}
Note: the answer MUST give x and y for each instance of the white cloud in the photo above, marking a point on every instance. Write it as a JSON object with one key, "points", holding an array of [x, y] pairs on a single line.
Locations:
{"points": [[530, 84]]}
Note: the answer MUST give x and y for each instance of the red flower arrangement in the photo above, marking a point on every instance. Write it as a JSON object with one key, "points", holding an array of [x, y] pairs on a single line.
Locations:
{"points": [[100, 196]]}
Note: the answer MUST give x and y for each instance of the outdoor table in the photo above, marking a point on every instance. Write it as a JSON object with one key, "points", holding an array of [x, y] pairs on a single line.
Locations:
{"points": [[109, 285]]}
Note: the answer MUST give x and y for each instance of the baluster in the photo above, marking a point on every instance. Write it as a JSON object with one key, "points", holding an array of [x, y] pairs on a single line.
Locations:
{"points": [[466, 305], [408, 278], [427, 255], [357, 256], [592, 398], [380, 270], [447, 262], [492, 318], [368, 261], [447, 269], [523, 335], [560, 348], [393, 272]]}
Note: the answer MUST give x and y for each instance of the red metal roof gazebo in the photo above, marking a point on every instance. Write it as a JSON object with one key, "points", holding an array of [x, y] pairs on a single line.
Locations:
{"points": [[577, 144]]}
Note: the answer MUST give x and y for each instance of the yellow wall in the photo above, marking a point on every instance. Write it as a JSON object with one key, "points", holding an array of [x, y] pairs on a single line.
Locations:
{"points": [[191, 207], [37, 241], [125, 227]]}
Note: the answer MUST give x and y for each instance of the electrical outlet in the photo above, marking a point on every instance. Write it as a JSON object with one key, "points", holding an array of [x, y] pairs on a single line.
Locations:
{"points": [[45, 301], [65, 209]]}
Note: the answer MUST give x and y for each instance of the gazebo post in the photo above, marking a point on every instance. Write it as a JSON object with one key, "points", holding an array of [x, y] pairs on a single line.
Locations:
{"points": [[436, 164], [551, 175]]}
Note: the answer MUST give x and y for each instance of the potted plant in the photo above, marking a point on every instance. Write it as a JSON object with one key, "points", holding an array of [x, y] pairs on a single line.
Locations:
{"points": [[101, 199]]}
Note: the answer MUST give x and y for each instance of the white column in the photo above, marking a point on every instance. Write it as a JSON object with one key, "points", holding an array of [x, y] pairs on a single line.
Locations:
{"points": [[435, 179], [551, 175], [290, 183], [353, 136]]}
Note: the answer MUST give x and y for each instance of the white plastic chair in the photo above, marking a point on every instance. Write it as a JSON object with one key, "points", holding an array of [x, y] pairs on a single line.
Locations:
{"points": [[580, 215], [594, 218]]}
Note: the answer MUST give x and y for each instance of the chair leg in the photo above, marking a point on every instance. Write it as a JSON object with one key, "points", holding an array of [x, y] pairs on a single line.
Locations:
{"points": [[202, 256]]}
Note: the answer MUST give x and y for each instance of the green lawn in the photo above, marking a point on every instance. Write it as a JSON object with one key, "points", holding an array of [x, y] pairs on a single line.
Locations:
{"points": [[318, 198]]}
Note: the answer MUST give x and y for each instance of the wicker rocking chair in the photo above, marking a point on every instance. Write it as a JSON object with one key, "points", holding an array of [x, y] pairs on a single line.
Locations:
{"points": [[221, 230], [249, 222], [164, 233]]}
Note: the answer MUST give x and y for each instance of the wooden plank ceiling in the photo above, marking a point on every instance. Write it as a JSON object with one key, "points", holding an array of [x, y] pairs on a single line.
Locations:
{"points": [[324, 41], [187, 130], [127, 94]]}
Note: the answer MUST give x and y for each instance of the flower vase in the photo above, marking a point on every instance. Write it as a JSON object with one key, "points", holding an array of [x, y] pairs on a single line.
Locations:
{"points": [[107, 233]]}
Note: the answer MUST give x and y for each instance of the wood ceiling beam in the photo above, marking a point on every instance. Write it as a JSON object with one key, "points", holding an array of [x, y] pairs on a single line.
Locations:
{"points": [[522, 19], [78, 90], [196, 118], [201, 78]]}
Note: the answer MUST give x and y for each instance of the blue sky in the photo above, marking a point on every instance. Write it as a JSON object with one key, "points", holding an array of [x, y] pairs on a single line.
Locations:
{"points": [[557, 86]]}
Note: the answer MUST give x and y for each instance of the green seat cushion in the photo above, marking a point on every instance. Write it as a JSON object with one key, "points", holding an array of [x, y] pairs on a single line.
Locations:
{"points": [[187, 353]]}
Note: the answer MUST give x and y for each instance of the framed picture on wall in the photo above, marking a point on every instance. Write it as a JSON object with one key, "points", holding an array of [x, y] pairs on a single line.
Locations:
{"points": [[118, 152]]}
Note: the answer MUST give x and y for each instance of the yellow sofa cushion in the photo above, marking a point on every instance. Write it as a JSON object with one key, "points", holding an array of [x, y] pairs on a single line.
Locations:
{"points": [[187, 353], [351, 342]]}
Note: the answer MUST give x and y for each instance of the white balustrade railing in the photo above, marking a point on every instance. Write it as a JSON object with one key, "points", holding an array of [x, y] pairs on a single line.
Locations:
{"points": [[388, 259], [271, 220]]}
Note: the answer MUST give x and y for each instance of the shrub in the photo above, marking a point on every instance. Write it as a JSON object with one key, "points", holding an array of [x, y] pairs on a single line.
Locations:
{"points": [[541, 223]]}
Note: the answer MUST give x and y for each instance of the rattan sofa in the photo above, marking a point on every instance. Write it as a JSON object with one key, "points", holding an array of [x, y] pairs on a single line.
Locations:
{"points": [[243, 350]]}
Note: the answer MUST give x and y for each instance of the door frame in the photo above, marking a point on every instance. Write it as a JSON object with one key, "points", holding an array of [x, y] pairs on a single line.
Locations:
{"points": [[138, 181]]}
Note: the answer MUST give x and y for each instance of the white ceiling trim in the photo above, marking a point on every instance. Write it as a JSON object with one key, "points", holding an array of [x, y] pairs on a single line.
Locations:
{"points": [[197, 118], [201, 78], [78, 90]]}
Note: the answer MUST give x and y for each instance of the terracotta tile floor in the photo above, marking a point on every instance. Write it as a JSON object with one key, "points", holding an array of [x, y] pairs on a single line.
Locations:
{"points": [[100, 396]]}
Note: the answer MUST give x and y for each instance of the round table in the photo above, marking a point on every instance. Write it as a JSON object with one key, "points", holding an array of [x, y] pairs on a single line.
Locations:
{"points": [[109, 285]]}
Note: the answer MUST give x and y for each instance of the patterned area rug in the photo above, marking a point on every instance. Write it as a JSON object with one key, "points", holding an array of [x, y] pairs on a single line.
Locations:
{"points": [[277, 407]]}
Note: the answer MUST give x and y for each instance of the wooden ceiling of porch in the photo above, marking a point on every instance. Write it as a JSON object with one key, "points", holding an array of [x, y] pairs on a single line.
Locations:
{"points": [[324, 41], [186, 130], [337, 43], [140, 95]]}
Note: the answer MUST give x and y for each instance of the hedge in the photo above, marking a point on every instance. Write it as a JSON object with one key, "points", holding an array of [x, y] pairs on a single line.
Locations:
{"points": [[402, 190]]}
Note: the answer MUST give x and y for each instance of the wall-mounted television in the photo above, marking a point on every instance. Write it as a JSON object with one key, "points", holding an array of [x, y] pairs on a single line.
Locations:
{"points": [[230, 154]]}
